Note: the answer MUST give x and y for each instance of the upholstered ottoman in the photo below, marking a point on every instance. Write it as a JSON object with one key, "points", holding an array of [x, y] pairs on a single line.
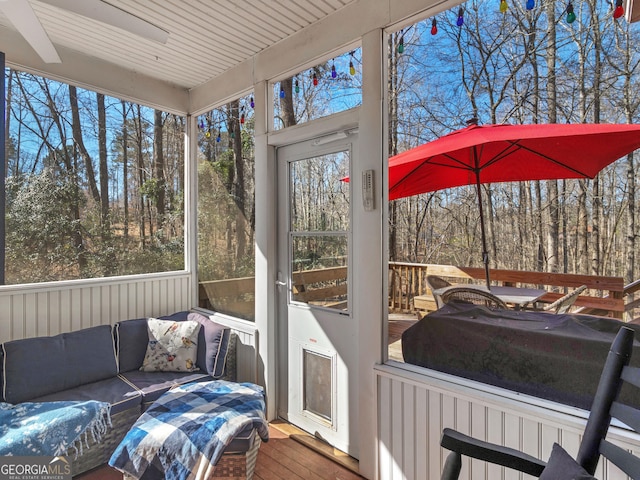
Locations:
{"points": [[201, 431]]}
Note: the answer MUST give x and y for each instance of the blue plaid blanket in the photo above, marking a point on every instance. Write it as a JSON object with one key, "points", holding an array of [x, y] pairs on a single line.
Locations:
{"points": [[184, 433]]}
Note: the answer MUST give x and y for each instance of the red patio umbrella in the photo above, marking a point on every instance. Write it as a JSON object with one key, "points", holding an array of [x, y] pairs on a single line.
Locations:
{"points": [[509, 153]]}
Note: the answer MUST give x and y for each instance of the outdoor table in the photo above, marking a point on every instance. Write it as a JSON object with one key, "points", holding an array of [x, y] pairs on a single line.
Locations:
{"points": [[556, 357], [517, 296]]}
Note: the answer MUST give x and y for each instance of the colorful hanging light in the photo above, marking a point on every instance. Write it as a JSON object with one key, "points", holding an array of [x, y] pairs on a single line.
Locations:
{"points": [[334, 74], [314, 78], [530, 4], [503, 6], [218, 138], [460, 20], [282, 94], [571, 16], [201, 124], [401, 45], [619, 10], [352, 69], [242, 117], [252, 103], [434, 27], [297, 87]]}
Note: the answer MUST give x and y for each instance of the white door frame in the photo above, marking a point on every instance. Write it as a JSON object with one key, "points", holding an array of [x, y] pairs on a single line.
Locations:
{"points": [[316, 331]]}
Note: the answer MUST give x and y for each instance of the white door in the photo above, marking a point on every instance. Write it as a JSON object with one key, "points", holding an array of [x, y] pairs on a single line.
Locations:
{"points": [[317, 333]]}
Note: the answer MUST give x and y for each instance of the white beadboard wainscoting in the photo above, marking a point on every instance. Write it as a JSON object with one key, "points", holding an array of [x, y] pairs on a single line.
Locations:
{"points": [[414, 405], [51, 308]]}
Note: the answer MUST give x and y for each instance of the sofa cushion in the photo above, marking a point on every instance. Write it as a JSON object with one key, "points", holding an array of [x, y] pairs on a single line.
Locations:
{"points": [[38, 366], [215, 339], [172, 347], [153, 384], [115, 391], [131, 340], [213, 343]]}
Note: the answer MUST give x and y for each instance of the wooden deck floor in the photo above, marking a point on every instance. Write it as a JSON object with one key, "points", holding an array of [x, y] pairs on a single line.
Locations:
{"points": [[285, 456], [398, 323]]}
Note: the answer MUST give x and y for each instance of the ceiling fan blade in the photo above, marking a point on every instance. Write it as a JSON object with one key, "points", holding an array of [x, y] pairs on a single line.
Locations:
{"points": [[111, 15], [24, 19]]}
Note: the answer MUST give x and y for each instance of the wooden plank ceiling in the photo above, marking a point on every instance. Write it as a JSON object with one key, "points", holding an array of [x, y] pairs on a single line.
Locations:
{"points": [[206, 37]]}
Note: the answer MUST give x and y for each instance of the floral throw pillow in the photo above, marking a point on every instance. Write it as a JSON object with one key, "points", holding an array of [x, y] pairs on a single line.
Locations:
{"points": [[172, 346]]}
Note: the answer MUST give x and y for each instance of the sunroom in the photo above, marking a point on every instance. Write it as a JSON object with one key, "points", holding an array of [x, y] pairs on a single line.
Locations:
{"points": [[202, 63]]}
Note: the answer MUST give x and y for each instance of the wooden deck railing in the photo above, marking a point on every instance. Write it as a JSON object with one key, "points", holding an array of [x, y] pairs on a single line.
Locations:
{"points": [[233, 295], [325, 286], [606, 296], [632, 301]]}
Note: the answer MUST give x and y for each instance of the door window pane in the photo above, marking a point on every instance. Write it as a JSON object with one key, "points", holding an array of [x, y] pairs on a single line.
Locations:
{"points": [[319, 193], [319, 206], [327, 88], [320, 270]]}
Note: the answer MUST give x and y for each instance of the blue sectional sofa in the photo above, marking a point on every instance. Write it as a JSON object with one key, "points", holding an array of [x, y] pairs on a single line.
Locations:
{"points": [[103, 363]]}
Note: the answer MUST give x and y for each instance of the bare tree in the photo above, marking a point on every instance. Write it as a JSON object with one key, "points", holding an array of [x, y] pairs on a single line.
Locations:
{"points": [[76, 127]]}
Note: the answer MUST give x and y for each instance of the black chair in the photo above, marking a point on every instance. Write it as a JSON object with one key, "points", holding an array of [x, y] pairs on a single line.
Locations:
{"points": [[616, 371], [472, 295]]}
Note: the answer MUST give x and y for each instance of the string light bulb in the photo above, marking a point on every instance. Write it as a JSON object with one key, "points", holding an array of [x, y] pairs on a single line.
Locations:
{"points": [[218, 138], [252, 103], [282, 94], [352, 69], [242, 117], [434, 27], [297, 87], [571, 16], [334, 74], [460, 20], [401, 45], [201, 125], [619, 10], [503, 6], [315, 79], [207, 134], [530, 4]]}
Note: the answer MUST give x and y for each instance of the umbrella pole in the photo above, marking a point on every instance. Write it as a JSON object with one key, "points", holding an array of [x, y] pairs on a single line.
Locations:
{"points": [[485, 253]]}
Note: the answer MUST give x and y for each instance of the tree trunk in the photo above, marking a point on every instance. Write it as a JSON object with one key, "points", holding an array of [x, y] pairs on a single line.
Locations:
{"points": [[109, 263], [286, 103], [393, 138], [76, 128], [104, 169], [582, 229], [553, 232], [631, 219], [125, 170], [159, 166], [141, 179], [238, 184], [598, 213]]}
